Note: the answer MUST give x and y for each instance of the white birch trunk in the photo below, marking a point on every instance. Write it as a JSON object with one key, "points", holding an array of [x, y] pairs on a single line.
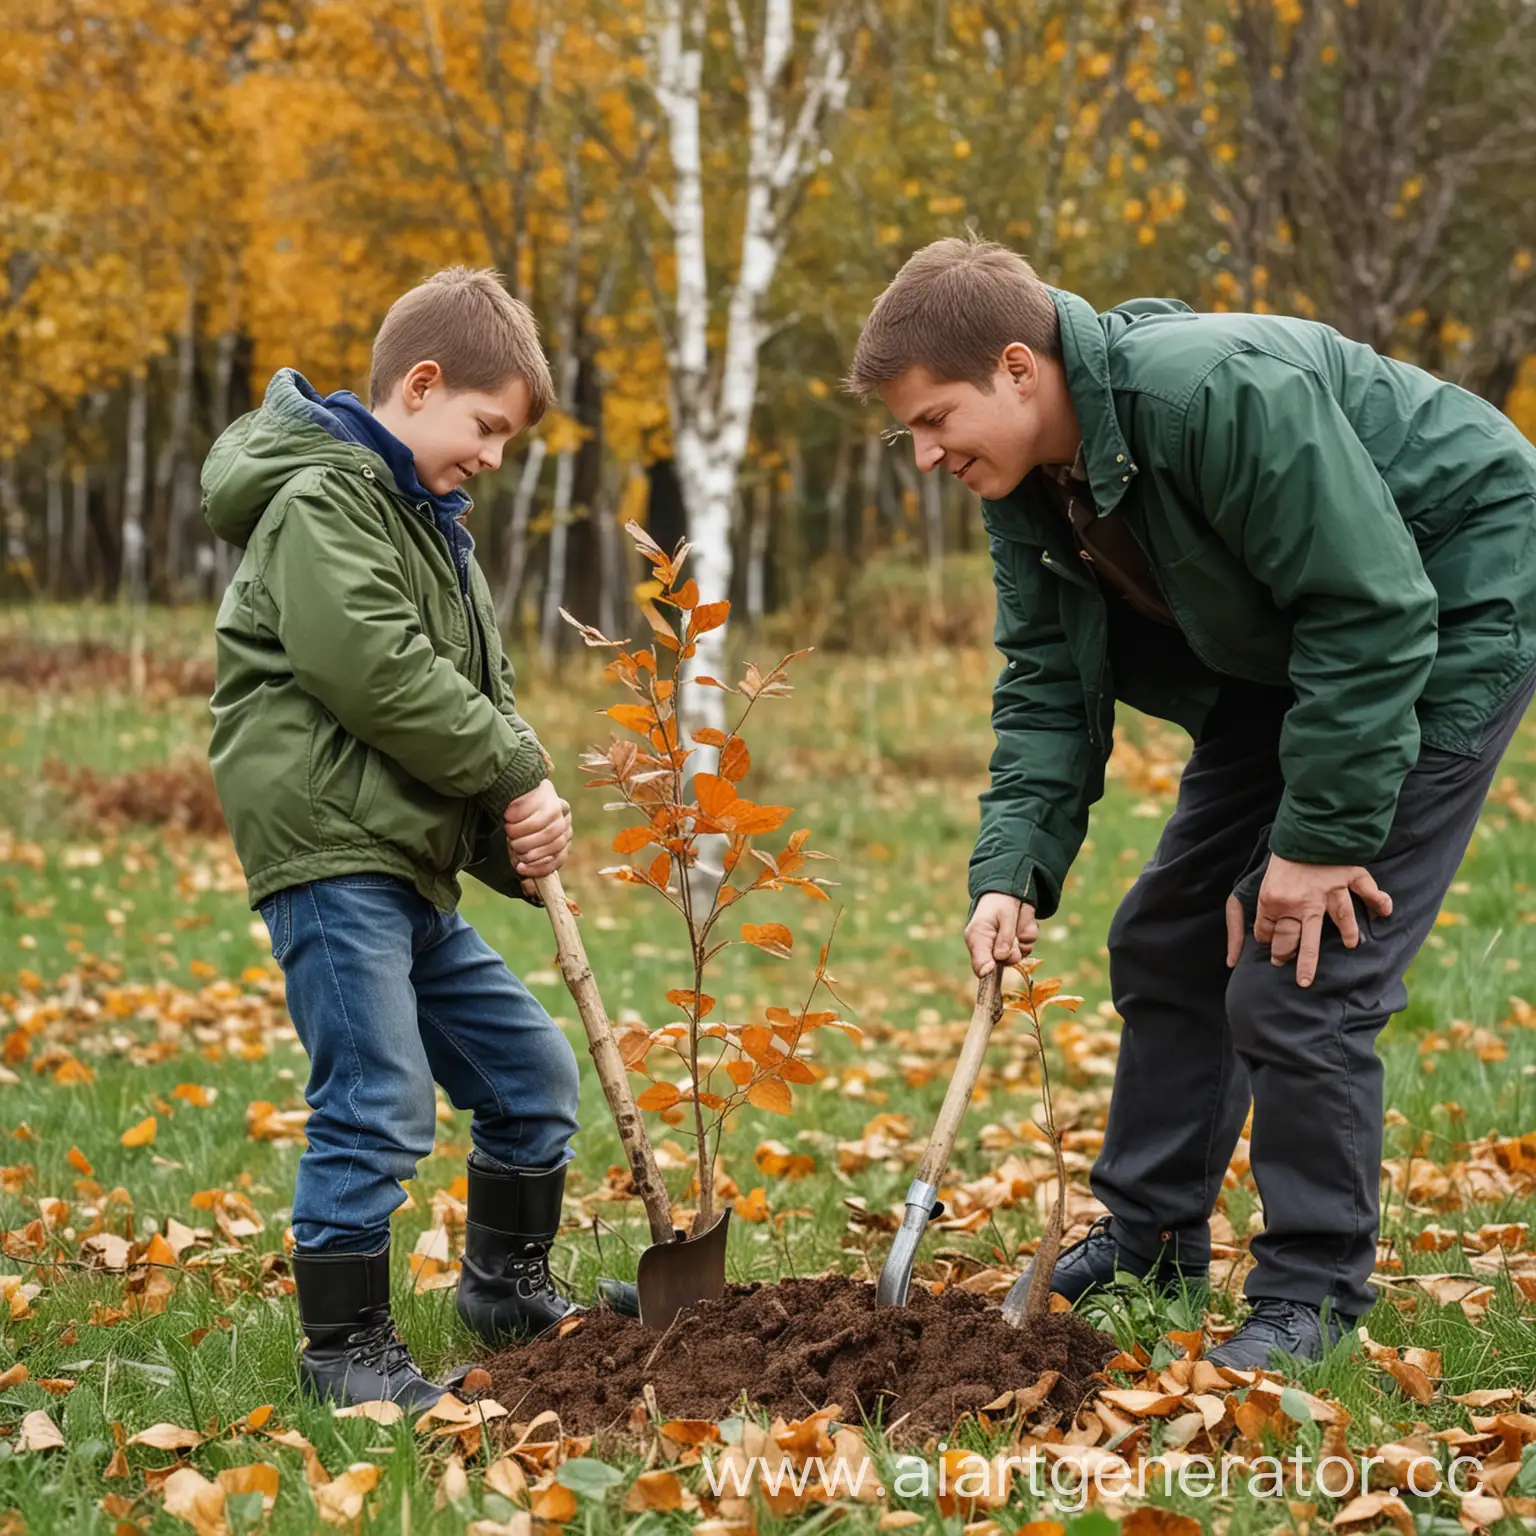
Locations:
{"points": [[711, 400], [135, 487], [168, 460], [757, 552]]}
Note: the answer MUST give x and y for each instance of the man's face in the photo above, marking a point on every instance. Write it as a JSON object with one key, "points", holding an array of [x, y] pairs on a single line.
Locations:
{"points": [[454, 434], [986, 440]]}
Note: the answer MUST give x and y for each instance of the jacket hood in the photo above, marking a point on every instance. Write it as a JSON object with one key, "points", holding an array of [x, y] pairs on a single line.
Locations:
{"points": [[258, 454]]}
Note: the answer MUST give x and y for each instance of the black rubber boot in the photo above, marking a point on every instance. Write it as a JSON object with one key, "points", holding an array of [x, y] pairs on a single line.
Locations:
{"points": [[1091, 1264], [1279, 1327], [505, 1288], [354, 1354]]}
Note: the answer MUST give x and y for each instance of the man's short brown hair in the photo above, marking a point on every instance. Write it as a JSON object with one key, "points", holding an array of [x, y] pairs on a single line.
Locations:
{"points": [[466, 322], [952, 309]]}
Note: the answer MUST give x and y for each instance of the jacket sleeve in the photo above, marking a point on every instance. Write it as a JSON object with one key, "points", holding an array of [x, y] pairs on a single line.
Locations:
{"points": [[352, 634], [1045, 772], [1290, 489]]}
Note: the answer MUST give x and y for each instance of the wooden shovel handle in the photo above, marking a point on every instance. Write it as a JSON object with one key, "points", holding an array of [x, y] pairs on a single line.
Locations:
{"points": [[962, 1082], [605, 1054]]}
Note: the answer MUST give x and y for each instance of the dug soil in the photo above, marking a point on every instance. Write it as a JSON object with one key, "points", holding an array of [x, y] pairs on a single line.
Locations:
{"points": [[797, 1346]]}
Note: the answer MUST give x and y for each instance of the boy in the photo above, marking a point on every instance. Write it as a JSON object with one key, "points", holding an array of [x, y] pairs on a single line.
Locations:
{"points": [[1322, 564], [367, 749]]}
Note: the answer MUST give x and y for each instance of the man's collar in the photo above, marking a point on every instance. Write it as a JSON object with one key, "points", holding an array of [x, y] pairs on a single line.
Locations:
{"points": [[1103, 458]]}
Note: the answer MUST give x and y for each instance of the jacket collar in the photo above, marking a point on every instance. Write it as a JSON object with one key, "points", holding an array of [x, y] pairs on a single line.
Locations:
{"points": [[1105, 455]]}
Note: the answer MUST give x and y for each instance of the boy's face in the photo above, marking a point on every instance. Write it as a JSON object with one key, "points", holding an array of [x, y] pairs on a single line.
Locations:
{"points": [[453, 433], [988, 441]]}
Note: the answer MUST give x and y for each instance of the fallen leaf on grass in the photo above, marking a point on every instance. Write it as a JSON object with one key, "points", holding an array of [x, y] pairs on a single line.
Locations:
{"points": [[659, 1489], [167, 1437], [340, 1501], [1369, 1509], [379, 1410], [140, 1135], [191, 1497], [39, 1433], [1149, 1520]]}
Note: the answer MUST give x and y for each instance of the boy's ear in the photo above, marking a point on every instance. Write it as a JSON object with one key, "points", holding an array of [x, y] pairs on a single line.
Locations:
{"points": [[414, 386]]}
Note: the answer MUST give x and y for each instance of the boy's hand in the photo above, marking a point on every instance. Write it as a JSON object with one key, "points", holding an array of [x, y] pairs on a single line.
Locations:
{"points": [[1001, 932], [538, 827], [1293, 901]]}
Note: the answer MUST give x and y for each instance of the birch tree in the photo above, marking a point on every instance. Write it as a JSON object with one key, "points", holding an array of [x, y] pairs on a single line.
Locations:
{"points": [[793, 90]]}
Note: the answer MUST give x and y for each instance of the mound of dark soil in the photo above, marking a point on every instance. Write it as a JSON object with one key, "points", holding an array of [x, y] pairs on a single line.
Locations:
{"points": [[795, 1347]]}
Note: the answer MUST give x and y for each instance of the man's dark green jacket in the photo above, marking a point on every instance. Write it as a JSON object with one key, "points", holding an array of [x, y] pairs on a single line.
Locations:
{"points": [[363, 710], [1317, 516]]}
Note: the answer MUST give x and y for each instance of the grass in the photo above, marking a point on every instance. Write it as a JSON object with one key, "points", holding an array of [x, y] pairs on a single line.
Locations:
{"points": [[883, 758]]}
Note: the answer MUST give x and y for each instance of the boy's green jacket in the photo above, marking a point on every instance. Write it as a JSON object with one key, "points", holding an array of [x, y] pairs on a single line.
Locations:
{"points": [[1317, 516], [363, 712]]}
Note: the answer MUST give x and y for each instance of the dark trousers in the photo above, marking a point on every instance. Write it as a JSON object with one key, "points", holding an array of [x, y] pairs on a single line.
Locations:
{"points": [[1200, 1040]]}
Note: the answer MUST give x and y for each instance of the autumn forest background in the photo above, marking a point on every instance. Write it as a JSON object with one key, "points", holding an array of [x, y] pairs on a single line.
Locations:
{"points": [[700, 199]]}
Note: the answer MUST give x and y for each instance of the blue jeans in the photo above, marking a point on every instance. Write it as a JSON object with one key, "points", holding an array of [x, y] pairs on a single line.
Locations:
{"points": [[388, 994]]}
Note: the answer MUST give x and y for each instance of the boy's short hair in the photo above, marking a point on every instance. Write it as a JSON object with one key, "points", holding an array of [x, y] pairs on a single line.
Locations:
{"points": [[465, 321], [952, 309]]}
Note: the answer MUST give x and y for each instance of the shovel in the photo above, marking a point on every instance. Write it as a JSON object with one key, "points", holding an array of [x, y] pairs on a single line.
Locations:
{"points": [[923, 1203], [676, 1270]]}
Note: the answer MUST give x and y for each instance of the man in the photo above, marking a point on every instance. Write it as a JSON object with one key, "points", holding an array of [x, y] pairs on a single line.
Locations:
{"points": [[1321, 563]]}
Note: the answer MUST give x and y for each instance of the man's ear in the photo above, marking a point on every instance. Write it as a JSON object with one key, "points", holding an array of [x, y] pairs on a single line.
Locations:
{"points": [[422, 377], [1021, 365]]}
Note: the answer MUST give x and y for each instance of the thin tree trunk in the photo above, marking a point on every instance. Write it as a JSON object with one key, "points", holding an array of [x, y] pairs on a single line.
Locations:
{"points": [[168, 460], [757, 551], [53, 515], [134, 488], [837, 500], [79, 525], [869, 493], [18, 561], [517, 533]]}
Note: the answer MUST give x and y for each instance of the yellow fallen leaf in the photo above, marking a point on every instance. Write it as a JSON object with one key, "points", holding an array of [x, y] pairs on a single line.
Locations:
{"points": [[753, 1206], [140, 1135], [255, 1477], [379, 1410], [191, 1497], [340, 1501], [658, 1489], [39, 1433], [159, 1251], [553, 1503], [506, 1477], [167, 1437], [14, 1377]]}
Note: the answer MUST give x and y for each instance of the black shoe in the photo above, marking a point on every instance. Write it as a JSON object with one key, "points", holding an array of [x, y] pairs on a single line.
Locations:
{"points": [[353, 1354], [1091, 1264], [505, 1288], [1278, 1326]]}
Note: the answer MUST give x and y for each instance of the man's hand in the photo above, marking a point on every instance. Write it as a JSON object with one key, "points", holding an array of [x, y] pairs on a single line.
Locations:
{"points": [[1001, 932], [538, 827], [1293, 901]]}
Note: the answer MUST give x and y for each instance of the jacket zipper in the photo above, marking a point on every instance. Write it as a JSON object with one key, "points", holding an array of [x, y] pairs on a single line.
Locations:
{"points": [[464, 844]]}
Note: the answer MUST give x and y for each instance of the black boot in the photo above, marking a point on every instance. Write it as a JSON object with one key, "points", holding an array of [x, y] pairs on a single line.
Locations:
{"points": [[505, 1288], [1092, 1263], [354, 1354], [1279, 1327]]}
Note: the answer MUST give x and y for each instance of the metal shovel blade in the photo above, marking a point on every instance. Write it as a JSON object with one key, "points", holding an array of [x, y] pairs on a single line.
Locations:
{"points": [[923, 1204], [671, 1276]]}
